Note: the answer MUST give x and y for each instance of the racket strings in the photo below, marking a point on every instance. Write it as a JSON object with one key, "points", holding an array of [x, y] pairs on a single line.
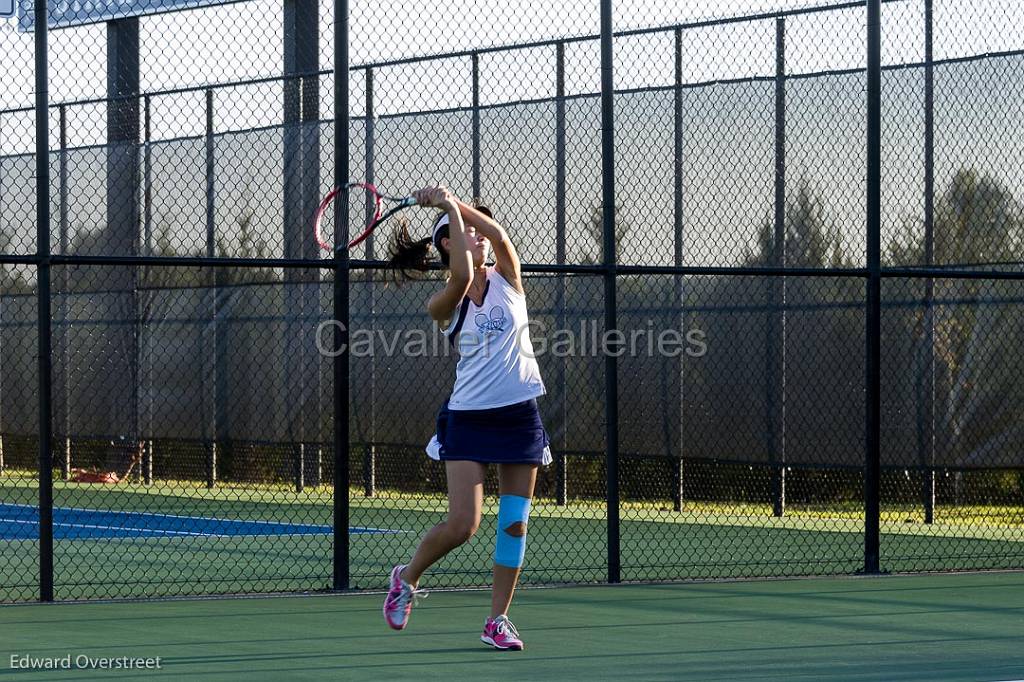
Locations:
{"points": [[379, 212]]}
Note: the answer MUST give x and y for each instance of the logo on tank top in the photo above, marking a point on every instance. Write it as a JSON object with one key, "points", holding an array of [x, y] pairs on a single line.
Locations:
{"points": [[491, 323]]}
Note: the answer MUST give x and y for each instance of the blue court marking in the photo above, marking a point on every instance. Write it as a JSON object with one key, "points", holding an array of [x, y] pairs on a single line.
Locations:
{"points": [[21, 522]]}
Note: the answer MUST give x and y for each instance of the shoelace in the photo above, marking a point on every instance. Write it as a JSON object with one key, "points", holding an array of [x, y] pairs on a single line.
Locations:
{"points": [[505, 627], [409, 593]]}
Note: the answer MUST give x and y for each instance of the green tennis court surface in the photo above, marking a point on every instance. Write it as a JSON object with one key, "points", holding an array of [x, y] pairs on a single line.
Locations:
{"points": [[935, 627], [567, 544]]}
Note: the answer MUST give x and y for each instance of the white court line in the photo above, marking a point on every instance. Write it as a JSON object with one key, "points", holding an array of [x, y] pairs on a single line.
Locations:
{"points": [[322, 530], [127, 538], [162, 516], [122, 528], [326, 528], [178, 532]]}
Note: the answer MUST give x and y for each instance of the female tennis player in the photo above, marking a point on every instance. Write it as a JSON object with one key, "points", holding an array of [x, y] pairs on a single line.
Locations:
{"points": [[491, 416]]}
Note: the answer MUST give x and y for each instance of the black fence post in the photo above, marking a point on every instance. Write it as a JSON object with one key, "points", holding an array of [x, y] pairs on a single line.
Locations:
{"points": [[147, 178], [63, 295], [309, 45], [210, 377], [776, 355], [476, 125], [121, 232], [561, 458], [299, 466], [872, 465], [677, 224], [370, 165], [43, 304], [138, 311], [611, 365], [341, 303], [370, 452], [301, 147], [147, 250], [295, 46], [369, 471], [926, 401]]}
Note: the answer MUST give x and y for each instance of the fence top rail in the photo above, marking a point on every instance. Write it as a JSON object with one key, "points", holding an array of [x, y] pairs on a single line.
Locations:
{"points": [[549, 42]]}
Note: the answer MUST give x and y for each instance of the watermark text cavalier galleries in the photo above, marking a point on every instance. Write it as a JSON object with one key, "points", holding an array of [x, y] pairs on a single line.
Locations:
{"points": [[534, 340], [84, 662]]}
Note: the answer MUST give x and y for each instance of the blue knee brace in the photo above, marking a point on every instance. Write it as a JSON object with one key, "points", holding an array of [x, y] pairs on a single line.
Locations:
{"points": [[510, 549]]}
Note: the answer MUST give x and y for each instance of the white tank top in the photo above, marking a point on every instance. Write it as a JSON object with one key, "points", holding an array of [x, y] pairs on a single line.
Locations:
{"points": [[496, 364]]}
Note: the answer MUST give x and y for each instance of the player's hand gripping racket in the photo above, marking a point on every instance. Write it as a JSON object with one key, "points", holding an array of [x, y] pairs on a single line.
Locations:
{"points": [[381, 207]]}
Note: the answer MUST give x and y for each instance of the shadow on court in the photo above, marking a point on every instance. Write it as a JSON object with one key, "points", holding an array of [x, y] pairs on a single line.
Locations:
{"points": [[934, 627]]}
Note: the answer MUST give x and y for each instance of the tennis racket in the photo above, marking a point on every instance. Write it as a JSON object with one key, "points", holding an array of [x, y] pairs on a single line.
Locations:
{"points": [[381, 205]]}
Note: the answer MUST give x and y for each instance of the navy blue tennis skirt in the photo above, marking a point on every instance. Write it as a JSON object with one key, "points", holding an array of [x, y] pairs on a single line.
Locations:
{"points": [[513, 434]]}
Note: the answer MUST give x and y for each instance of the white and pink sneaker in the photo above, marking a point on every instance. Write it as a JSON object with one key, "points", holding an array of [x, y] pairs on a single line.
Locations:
{"points": [[501, 634], [400, 600]]}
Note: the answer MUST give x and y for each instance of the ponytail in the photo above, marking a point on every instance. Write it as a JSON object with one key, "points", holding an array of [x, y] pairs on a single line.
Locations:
{"points": [[407, 253]]}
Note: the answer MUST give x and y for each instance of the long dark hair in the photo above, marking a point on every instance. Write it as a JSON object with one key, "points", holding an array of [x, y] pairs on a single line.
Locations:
{"points": [[408, 254]]}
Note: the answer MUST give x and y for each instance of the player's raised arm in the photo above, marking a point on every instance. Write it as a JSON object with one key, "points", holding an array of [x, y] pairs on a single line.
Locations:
{"points": [[449, 239], [506, 259]]}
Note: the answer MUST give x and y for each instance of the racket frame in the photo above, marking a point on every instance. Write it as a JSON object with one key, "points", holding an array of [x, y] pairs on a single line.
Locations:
{"points": [[380, 215]]}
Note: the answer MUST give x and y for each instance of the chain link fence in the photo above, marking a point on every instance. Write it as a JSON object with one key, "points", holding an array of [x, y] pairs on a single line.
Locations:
{"points": [[804, 222]]}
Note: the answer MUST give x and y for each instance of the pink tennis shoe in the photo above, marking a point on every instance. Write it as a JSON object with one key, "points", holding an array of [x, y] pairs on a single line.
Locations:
{"points": [[401, 598], [501, 634]]}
